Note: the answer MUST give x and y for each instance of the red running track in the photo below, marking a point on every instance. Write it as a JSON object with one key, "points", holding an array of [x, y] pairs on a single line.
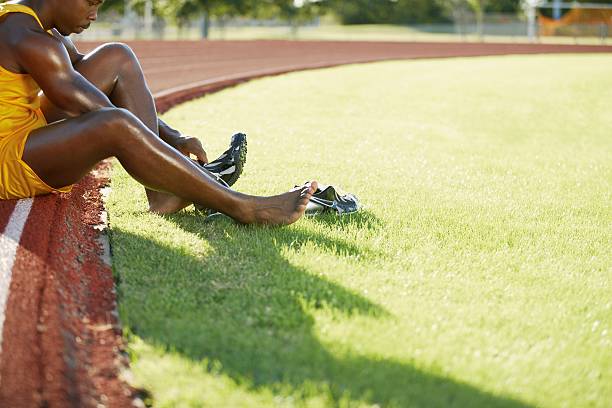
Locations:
{"points": [[61, 339]]}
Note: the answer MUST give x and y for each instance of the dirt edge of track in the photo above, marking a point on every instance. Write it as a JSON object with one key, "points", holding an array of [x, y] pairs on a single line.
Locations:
{"points": [[61, 318]]}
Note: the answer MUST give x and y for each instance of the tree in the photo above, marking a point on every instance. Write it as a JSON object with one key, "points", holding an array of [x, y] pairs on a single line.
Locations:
{"points": [[293, 11], [184, 10], [387, 11], [417, 11], [478, 8], [113, 5], [503, 6]]}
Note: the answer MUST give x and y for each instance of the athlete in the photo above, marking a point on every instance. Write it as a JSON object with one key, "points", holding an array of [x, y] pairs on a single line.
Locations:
{"points": [[62, 112]]}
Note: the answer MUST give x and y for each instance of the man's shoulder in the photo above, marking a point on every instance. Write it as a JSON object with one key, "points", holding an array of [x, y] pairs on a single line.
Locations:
{"points": [[18, 33], [24, 31], [20, 29], [28, 43], [19, 22]]}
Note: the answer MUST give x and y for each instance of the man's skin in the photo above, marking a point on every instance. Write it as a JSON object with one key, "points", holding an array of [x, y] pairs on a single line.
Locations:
{"points": [[98, 106]]}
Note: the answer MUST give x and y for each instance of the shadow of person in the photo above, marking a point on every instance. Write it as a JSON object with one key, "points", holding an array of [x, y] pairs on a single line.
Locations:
{"points": [[363, 219], [245, 306]]}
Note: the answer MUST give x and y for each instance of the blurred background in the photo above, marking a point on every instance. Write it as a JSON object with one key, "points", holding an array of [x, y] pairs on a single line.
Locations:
{"points": [[393, 20], [554, 21]]}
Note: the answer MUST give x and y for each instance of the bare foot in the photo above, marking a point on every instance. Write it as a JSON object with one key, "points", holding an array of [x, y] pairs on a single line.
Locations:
{"points": [[283, 209], [161, 203]]}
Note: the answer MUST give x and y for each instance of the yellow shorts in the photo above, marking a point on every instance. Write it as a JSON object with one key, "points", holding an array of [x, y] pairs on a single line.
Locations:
{"points": [[17, 179]]}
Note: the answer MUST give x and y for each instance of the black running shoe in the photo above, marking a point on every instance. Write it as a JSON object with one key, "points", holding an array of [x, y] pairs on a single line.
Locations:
{"points": [[230, 164], [228, 167], [327, 198]]}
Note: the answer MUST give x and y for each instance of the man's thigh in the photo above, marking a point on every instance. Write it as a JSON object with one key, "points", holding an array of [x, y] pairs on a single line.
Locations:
{"points": [[63, 152]]}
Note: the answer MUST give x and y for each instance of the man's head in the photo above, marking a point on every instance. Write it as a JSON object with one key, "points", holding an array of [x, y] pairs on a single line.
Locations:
{"points": [[74, 16]]}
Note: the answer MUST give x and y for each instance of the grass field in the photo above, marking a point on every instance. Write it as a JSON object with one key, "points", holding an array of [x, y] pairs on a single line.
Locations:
{"points": [[479, 273]]}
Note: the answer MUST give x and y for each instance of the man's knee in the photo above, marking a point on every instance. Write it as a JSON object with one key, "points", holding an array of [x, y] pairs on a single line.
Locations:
{"points": [[122, 128], [120, 55], [121, 49], [112, 117], [114, 122]]}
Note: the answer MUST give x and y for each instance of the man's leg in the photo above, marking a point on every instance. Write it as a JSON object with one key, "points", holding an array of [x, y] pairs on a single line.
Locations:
{"points": [[63, 152], [114, 69]]}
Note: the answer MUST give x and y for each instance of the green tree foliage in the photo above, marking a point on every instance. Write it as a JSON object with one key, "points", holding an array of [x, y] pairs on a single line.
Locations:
{"points": [[503, 6], [184, 10], [348, 11], [290, 10], [450, 8], [387, 11], [478, 7], [113, 5]]}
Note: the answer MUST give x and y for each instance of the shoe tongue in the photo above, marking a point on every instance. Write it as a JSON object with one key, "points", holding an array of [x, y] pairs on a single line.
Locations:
{"points": [[326, 192]]}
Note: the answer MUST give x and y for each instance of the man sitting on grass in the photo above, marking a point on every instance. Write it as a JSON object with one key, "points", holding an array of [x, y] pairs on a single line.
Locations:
{"points": [[62, 112]]}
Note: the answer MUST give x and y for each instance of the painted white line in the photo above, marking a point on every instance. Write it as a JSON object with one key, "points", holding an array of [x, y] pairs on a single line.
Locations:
{"points": [[9, 242]]}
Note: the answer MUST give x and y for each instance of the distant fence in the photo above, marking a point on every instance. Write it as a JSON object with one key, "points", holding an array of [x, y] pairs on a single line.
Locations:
{"points": [[518, 29], [495, 27]]}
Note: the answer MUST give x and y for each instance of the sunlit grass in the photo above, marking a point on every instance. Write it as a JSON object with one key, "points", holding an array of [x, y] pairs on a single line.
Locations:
{"points": [[478, 274]]}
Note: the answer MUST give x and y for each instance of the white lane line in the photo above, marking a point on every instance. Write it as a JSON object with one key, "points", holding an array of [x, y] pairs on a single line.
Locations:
{"points": [[9, 242]]}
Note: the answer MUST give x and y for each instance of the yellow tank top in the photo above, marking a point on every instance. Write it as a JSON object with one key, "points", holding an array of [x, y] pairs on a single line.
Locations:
{"points": [[19, 100]]}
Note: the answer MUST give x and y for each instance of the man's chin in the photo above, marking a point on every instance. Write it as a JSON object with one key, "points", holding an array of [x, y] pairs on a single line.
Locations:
{"points": [[67, 32]]}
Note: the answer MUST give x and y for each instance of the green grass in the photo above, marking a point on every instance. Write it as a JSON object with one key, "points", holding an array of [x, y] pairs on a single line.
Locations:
{"points": [[478, 275]]}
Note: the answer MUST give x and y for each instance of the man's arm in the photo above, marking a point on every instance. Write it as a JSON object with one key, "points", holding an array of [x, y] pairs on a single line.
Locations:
{"points": [[167, 133], [46, 59], [173, 137], [184, 144], [75, 55], [49, 60]]}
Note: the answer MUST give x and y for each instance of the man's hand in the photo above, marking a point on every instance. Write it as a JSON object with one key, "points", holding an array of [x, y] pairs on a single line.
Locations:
{"points": [[184, 144], [190, 145]]}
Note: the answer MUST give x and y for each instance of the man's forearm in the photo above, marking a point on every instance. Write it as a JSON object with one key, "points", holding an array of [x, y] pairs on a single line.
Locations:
{"points": [[80, 97], [167, 133], [188, 145]]}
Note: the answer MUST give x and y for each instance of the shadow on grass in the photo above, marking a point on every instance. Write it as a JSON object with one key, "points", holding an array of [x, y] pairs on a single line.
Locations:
{"points": [[362, 220], [243, 307]]}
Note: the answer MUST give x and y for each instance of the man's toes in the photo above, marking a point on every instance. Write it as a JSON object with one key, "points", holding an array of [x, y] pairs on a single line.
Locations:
{"points": [[308, 189]]}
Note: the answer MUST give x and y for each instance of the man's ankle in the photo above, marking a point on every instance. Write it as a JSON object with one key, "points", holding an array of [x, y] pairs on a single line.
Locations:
{"points": [[167, 206], [244, 210]]}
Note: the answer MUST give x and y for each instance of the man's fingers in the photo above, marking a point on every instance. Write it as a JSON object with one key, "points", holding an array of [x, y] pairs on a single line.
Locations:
{"points": [[198, 151], [202, 157]]}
